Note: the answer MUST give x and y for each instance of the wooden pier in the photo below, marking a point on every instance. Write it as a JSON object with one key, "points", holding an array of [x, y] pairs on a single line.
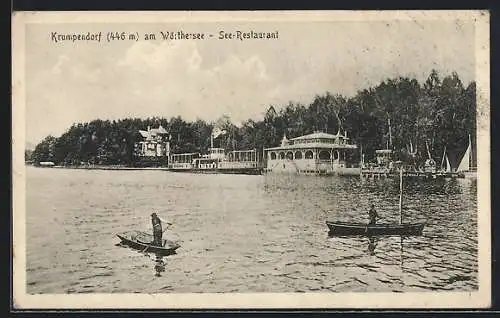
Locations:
{"points": [[419, 175]]}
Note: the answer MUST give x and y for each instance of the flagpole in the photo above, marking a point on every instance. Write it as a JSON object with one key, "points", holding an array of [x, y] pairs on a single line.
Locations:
{"points": [[390, 133], [401, 195], [470, 152]]}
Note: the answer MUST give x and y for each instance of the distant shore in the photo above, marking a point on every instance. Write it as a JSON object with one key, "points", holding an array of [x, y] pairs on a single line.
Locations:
{"points": [[243, 171], [102, 167]]}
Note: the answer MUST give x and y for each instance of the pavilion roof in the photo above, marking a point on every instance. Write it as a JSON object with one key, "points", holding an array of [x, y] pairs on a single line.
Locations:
{"points": [[314, 145], [319, 135]]}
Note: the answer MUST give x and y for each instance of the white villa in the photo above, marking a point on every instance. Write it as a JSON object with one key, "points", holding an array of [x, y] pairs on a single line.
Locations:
{"points": [[155, 143], [316, 153]]}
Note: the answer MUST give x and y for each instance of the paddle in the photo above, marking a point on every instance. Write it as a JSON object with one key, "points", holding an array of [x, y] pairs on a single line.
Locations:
{"points": [[378, 218], [323, 210]]}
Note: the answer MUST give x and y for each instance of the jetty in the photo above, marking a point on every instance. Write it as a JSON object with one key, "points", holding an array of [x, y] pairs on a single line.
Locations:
{"points": [[419, 175]]}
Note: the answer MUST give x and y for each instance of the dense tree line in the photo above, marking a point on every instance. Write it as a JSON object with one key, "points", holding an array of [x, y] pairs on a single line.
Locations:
{"points": [[440, 112]]}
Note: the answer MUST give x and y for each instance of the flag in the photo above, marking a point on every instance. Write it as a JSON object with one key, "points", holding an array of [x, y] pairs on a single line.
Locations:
{"points": [[217, 132]]}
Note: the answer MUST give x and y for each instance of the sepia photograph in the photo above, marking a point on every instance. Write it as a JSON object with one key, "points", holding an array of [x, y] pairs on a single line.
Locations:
{"points": [[287, 159]]}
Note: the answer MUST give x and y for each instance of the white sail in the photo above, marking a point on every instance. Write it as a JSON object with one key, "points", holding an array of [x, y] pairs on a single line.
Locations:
{"points": [[444, 158], [465, 162], [448, 166], [445, 161]]}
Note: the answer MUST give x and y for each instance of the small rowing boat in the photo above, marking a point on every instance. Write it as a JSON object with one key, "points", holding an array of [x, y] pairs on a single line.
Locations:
{"points": [[347, 228], [143, 241]]}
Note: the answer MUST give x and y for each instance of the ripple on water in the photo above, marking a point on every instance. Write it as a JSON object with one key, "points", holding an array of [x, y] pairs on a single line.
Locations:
{"points": [[243, 234]]}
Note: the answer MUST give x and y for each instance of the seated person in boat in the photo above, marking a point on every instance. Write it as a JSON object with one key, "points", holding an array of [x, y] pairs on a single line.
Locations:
{"points": [[373, 215], [157, 229]]}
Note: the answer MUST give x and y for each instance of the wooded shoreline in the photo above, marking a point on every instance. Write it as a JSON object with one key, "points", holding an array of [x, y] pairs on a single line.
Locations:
{"points": [[440, 113]]}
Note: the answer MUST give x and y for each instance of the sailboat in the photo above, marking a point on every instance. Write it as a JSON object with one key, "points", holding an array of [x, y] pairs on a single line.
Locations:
{"points": [[445, 163], [349, 228], [430, 164], [465, 165]]}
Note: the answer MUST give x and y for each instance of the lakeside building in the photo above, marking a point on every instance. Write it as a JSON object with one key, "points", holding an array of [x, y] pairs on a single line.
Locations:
{"points": [[316, 153], [155, 143], [386, 167]]}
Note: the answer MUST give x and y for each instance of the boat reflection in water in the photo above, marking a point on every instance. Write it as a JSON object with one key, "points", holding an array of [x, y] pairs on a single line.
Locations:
{"points": [[159, 265], [156, 256], [386, 251], [372, 244]]}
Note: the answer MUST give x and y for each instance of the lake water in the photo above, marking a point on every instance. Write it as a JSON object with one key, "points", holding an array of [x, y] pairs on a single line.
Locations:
{"points": [[243, 233]]}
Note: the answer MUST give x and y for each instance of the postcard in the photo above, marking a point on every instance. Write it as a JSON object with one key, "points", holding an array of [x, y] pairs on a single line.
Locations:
{"points": [[232, 160]]}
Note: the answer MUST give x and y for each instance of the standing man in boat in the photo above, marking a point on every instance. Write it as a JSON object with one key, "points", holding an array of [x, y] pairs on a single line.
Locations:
{"points": [[157, 229], [373, 215]]}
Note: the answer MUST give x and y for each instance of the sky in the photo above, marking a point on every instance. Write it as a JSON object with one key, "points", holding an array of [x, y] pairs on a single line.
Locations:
{"points": [[68, 83]]}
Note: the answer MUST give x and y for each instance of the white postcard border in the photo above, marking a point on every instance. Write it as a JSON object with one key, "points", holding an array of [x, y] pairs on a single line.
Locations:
{"points": [[22, 300]]}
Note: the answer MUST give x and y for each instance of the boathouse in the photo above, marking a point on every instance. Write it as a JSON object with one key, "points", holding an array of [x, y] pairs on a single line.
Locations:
{"points": [[384, 157], [316, 153]]}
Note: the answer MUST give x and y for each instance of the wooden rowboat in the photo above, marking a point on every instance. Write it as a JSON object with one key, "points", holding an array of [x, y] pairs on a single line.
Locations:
{"points": [[143, 241], [347, 228]]}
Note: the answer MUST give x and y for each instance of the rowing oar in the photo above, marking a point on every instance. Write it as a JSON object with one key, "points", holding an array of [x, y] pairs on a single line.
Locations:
{"points": [[366, 228], [323, 210]]}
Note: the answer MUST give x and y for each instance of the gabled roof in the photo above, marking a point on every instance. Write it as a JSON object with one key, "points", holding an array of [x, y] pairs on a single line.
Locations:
{"points": [[144, 133], [153, 132], [162, 130]]}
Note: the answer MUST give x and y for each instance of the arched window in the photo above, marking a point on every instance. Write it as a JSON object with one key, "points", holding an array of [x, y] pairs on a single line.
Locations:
{"points": [[298, 155], [282, 155], [324, 155], [289, 155], [309, 154], [335, 155], [273, 156]]}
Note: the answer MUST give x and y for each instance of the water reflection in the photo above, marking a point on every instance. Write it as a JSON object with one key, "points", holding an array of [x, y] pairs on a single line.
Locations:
{"points": [[159, 265], [372, 244], [385, 247], [157, 258], [414, 187]]}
